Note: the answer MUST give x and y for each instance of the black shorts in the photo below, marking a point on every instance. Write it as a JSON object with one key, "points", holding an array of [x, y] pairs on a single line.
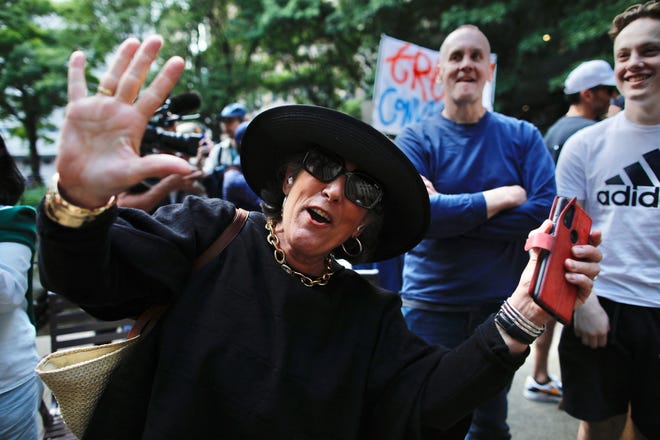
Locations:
{"points": [[600, 383]]}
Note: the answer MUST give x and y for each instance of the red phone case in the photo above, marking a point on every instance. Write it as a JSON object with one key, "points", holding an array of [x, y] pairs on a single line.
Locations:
{"points": [[549, 288]]}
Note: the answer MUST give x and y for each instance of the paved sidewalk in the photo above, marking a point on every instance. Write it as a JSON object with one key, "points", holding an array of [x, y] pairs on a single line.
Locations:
{"points": [[531, 420]]}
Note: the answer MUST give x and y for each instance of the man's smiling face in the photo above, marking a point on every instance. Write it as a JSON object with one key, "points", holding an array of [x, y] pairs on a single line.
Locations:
{"points": [[637, 60]]}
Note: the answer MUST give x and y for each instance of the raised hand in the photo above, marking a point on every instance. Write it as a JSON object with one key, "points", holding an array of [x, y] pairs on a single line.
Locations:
{"points": [[580, 270], [100, 140]]}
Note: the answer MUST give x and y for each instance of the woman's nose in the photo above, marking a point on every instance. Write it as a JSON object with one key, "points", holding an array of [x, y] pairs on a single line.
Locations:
{"points": [[334, 190]]}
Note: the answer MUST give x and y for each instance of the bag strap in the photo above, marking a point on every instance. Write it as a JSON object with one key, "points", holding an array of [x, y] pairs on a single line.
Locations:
{"points": [[150, 316], [223, 240]]}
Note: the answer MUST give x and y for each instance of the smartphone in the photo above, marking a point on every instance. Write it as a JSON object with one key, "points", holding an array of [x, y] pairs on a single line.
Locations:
{"points": [[571, 225]]}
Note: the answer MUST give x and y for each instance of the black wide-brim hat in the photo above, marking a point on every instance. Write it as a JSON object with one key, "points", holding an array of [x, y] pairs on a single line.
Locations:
{"points": [[275, 134]]}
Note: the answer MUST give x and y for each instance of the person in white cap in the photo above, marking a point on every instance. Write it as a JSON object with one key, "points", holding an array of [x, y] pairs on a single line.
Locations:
{"points": [[588, 90]]}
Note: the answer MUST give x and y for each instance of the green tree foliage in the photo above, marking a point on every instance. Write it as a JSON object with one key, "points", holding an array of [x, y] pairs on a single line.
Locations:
{"points": [[32, 70], [98, 26], [320, 52], [259, 51], [324, 52], [219, 41]]}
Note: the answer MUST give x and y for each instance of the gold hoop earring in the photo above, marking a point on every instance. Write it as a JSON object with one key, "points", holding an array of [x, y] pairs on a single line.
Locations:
{"points": [[354, 254]]}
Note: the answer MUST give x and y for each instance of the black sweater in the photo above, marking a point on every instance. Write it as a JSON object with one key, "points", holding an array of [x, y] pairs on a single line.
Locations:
{"points": [[245, 350]]}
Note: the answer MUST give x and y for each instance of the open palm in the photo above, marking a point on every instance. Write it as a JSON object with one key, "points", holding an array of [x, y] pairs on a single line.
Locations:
{"points": [[101, 136]]}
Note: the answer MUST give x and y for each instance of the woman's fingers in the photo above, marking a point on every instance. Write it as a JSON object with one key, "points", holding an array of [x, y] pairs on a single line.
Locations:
{"points": [[596, 237], [590, 268], [586, 257], [76, 84], [153, 96], [583, 272], [132, 79], [110, 79]]}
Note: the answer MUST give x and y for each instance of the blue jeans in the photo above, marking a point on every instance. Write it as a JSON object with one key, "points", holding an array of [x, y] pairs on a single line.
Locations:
{"points": [[451, 328], [19, 411]]}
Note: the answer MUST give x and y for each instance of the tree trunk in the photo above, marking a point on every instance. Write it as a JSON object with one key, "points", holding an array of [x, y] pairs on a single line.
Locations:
{"points": [[35, 161]]}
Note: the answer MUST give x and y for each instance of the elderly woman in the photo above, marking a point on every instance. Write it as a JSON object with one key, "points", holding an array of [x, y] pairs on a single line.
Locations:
{"points": [[273, 338]]}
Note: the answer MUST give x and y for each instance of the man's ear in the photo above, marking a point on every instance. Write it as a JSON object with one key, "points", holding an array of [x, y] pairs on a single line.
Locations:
{"points": [[491, 71], [586, 95]]}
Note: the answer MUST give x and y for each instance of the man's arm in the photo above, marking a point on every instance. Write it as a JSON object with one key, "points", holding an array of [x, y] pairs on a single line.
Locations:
{"points": [[451, 214], [503, 198], [591, 323], [496, 199], [537, 180], [501, 213], [150, 199]]}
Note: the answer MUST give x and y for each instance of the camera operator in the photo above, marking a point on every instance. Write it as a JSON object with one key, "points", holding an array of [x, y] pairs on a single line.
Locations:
{"points": [[162, 136]]}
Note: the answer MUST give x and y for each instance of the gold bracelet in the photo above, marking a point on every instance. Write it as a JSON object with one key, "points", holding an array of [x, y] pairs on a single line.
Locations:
{"points": [[66, 214]]}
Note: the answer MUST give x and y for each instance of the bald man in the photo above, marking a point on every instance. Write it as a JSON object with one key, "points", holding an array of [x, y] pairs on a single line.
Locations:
{"points": [[490, 181]]}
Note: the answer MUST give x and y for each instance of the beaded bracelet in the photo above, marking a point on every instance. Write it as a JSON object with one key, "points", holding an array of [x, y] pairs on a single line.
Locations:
{"points": [[516, 325], [67, 214]]}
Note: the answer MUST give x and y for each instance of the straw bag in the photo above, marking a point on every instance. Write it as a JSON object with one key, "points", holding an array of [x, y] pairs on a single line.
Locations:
{"points": [[78, 377]]}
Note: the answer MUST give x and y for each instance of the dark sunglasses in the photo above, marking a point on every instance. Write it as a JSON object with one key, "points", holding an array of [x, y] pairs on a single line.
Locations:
{"points": [[359, 189]]}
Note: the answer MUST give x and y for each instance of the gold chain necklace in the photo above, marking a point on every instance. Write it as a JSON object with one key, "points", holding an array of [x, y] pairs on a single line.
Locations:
{"points": [[280, 258]]}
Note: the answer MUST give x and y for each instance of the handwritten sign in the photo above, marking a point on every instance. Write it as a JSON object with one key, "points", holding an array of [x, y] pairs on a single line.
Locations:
{"points": [[406, 90]]}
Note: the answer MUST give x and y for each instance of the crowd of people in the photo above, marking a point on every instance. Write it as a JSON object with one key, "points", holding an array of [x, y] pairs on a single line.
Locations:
{"points": [[277, 337]]}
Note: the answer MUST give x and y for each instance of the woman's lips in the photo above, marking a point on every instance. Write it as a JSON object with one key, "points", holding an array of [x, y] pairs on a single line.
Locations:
{"points": [[318, 215]]}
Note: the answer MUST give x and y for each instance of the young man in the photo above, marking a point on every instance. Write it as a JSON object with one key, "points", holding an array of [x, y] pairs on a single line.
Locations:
{"points": [[490, 180], [609, 356]]}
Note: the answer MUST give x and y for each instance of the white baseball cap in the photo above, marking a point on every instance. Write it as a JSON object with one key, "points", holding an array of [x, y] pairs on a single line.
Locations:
{"points": [[589, 74]]}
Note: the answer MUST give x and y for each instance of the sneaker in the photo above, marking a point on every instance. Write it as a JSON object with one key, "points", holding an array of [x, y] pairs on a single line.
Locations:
{"points": [[548, 392]]}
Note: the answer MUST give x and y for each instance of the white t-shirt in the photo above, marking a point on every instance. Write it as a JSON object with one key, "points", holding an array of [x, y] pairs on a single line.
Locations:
{"points": [[614, 166]]}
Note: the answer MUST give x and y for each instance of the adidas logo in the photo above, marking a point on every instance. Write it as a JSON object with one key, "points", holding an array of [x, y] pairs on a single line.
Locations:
{"points": [[639, 174]]}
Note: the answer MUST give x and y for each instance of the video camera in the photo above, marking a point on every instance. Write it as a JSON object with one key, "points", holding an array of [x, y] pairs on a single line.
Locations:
{"points": [[157, 139]]}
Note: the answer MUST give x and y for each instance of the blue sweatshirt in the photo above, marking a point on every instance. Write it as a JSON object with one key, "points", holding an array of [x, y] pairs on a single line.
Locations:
{"points": [[467, 258]]}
